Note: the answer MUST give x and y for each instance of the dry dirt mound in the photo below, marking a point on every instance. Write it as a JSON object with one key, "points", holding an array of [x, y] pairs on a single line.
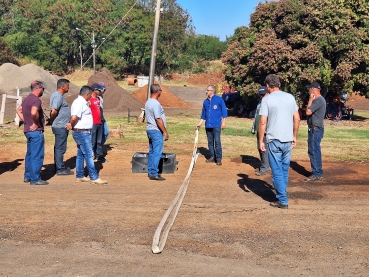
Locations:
{"points": [[13, 76], [167, 99], [201, 79], [358, 102], [115, 98]]}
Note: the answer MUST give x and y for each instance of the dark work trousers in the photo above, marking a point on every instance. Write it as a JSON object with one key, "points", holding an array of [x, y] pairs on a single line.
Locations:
{"points": [[265, 167], [60, 147], [97, 134]]}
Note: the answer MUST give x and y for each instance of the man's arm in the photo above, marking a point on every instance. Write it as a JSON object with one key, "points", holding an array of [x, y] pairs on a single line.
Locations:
{"points": [[20, 113], [200, 123], [160, 124], [296, 125], [223, 123], [261, 131], [53, 114], [72, 122], [311, 99]]}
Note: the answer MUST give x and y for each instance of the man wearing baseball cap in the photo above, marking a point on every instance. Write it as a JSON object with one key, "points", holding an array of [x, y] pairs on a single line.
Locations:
{"points": [[97, 132], [101, 97], [265, 167], [315, 112]]}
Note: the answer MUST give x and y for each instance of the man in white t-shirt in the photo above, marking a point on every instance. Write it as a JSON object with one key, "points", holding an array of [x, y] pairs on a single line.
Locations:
{"points": [[81, 124]]}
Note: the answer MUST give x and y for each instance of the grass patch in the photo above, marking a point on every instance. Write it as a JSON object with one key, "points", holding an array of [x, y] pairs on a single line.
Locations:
{"points": [[344, 141]]}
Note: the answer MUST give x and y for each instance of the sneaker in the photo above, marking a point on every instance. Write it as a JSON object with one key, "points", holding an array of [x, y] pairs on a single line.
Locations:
{"points": [[219, 162], [210, 160], [260, 173], [65, 172], [276, 204], [98, 182], [84, 179], [39, 183], [157, 178], [102, 160], [313, 178]]}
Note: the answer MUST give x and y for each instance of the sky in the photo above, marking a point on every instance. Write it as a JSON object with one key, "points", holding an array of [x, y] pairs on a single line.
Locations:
{"points": [[219, 17]]}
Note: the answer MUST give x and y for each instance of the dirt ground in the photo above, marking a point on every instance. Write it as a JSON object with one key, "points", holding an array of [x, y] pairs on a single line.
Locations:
{"points": [[225, 226]]}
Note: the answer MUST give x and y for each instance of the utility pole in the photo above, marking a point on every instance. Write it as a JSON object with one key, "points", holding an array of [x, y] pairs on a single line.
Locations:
{"points": [[93, 45], [93, 51], [80, 53], [154, 46]]}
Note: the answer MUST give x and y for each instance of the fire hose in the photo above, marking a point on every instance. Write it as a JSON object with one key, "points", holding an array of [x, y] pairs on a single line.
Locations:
{"points": [[157, 243]]}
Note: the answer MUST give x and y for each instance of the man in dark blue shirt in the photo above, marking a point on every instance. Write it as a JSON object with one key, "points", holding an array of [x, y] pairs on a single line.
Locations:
{"points": [[214, 113]]}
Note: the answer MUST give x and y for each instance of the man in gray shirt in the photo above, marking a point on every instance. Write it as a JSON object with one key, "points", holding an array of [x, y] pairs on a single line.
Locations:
{"points": [[316, 112], [279, 119], [59, 120], [156, 132]]}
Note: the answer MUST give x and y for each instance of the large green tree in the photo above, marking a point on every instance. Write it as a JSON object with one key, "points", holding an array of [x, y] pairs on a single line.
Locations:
{"points": [[302, 41], [45, 31]]}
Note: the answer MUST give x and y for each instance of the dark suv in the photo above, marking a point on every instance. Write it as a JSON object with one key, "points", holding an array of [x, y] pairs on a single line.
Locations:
{"points": [[239, 107]]}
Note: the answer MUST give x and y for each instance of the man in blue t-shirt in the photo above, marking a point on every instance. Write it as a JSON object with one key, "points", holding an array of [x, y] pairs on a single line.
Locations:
{"points": [[214, 113]]}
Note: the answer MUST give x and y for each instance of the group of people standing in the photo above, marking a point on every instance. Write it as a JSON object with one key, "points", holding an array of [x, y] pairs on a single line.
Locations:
{"points": [[85, 119], [276, 124]]}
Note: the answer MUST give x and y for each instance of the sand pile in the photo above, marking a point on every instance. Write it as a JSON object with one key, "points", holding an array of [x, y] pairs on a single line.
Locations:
{"points": [[115, 98], [13, 76], [167, 99]]}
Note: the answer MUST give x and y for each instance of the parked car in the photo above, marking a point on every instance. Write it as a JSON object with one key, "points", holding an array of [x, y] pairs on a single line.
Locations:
{"points": [[240, 107]]}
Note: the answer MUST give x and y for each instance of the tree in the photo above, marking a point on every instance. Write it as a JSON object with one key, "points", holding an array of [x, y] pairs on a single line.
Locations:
{"points": [[7, 55], [302, 41]]}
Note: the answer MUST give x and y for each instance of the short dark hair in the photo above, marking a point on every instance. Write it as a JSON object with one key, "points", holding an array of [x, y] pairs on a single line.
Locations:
{"points": [[155, 88], [62, 82], [36, 84], [85, 90], [272, 81]]}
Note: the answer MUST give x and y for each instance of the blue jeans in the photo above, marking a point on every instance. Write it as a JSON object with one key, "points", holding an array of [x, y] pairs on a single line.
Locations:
{"points": [[60, 147], [35, 156], [97, 134], [314, 151], [106, 132], [214, 143], [279, 160], [156, 141], [84, 153]]}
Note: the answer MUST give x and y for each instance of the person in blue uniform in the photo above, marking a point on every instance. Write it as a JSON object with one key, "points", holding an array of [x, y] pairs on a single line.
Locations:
{"points": [[214, 113]]}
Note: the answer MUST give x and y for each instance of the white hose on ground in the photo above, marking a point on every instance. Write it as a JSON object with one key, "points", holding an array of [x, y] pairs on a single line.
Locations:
{"points": [[157, 244]]}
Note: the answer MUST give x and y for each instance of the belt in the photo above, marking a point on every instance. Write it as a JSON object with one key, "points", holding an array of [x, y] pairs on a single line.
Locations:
{"points": [[313, 127], [82, 130]]}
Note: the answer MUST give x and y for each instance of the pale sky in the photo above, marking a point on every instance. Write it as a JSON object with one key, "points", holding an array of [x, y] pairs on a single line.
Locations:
{"points": [[219, 17]]}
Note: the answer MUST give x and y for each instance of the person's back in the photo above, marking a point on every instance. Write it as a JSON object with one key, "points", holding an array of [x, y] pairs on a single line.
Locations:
{"points": [[279, 107]]}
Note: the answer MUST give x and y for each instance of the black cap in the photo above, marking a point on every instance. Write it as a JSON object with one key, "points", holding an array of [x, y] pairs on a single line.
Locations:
{"points": [[314, 85], [96, 87], [263, 90]]}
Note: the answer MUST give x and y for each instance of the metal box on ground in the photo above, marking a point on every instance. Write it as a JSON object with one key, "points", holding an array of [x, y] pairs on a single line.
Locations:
{"points": [[167, 164]]}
